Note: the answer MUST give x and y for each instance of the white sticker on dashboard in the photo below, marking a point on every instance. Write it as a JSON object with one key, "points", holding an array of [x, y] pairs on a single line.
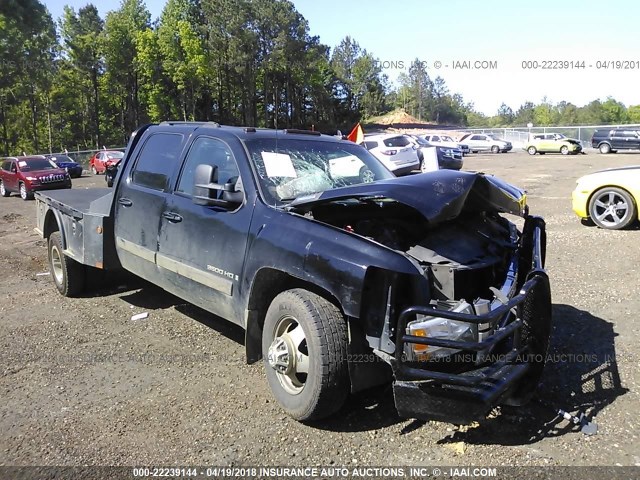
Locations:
{"points": [[22, 163], [278, 165]]}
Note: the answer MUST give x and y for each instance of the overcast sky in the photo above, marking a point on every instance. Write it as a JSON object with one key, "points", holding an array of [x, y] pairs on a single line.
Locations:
{"points": [[505, 33]]}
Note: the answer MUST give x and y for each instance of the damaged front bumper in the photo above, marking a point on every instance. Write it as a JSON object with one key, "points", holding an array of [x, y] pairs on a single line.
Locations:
{"points": [[505, 364]]}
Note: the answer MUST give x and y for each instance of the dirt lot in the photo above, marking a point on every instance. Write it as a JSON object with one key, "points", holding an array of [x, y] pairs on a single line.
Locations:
{"points": [[81, 383]]}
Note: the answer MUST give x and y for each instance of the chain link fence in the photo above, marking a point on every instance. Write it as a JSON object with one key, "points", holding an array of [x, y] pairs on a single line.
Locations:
{"points": [[518, 136]]}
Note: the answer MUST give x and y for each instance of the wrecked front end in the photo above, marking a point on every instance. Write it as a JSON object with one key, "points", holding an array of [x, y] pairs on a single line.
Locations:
{"points": [[476, 332]]}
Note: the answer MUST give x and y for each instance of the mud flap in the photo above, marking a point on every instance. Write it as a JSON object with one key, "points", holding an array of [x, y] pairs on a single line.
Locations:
{"points": [[429, 400]]}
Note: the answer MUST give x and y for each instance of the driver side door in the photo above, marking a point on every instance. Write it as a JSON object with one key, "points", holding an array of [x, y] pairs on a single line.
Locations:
{"points": [[201, 249]]}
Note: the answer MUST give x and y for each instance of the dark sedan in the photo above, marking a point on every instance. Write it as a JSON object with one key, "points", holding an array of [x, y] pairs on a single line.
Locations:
{"points": [[65, 162]]}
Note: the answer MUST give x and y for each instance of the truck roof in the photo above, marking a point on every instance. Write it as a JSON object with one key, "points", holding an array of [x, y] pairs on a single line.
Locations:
{"points": [[248, 133]]}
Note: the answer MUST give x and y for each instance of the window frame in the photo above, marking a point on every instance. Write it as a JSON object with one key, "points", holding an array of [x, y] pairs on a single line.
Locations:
{"points": [[185, 159]]}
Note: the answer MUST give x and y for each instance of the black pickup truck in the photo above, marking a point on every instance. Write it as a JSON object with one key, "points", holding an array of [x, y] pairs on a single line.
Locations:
{"points": [[343, 276]]}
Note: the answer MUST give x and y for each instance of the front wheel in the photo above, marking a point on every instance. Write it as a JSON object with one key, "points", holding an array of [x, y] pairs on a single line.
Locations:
{"points": [[304, 345], [612, 208], [94, 171], [3, 191], [68, 275], [531, 150], [495, 149], [25, 194], [564, 150]]}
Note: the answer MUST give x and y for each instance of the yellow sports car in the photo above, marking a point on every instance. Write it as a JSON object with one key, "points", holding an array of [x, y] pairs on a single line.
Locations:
{"points": [[609, 197]]}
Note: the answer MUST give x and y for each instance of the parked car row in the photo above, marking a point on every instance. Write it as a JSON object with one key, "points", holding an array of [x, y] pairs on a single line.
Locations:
{"points": [[403, 154]]}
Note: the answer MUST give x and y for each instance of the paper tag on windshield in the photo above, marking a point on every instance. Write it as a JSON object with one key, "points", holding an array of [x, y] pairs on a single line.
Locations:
{"points": [[278, 165], [22, 163]]}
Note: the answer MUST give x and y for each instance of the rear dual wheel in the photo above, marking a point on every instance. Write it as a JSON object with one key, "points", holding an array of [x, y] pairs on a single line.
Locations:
{"points": [[67, 274]]}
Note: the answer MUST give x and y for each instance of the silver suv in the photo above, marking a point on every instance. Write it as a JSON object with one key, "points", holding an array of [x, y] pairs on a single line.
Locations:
{"points": [[396, 152]]}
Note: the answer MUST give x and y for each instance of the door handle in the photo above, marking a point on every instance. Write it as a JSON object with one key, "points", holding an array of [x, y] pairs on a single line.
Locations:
{"points": [[172, 217], [125, 202]]}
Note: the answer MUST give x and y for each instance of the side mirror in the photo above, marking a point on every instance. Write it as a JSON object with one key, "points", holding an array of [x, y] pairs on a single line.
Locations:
{"points": [[206, 188]]}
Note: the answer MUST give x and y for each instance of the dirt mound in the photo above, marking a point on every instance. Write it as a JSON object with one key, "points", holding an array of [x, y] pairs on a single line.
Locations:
{"points": [[396, 117]]}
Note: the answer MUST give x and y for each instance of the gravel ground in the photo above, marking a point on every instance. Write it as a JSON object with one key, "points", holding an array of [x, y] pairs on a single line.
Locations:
{"points": [[82, 384]]}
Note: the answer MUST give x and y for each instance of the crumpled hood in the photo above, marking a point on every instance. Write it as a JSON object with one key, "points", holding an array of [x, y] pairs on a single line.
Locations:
{"points": [[438, 196]]}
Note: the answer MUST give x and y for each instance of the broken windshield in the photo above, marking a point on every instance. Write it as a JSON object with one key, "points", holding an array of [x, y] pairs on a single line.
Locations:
{"points": [[288, 168]]}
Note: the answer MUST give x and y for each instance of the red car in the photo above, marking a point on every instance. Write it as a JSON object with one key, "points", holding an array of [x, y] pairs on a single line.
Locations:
{"points": [[25, 175], [101, 160]]}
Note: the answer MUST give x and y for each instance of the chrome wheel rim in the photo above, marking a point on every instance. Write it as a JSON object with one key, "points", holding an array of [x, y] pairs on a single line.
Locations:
{"points": [[2, 190], [288, 355], [610, 209], [23, 191], [56, 265], [532, 151], [564, 150]]}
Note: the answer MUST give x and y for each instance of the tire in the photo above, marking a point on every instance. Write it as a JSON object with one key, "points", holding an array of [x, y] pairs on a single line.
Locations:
{"points": [[532, 150], [604, 148], [3, 191], [536, 315], [25, 194], [366, 175], [308, 326], [67, 274], [542, 153], [612, 208], [94, 171], [564, 150], [495, 149]]}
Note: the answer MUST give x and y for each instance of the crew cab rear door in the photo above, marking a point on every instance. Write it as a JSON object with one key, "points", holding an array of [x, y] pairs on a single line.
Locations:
{"points": [[202, 249], [140, 201]]}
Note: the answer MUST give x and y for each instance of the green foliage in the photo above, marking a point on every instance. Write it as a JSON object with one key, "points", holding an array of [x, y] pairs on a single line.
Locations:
{"points": [[238, 62]]}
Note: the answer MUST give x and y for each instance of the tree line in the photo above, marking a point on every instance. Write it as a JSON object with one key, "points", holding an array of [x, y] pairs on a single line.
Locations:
{"points": [[83, 81]]}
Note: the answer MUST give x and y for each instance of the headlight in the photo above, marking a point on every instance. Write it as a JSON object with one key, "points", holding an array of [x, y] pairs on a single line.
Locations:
{"points": [[32, 179], [447, 152], [443, 328]]}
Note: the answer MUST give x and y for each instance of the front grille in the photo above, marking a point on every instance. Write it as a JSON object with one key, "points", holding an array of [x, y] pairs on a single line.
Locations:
{"points": [[52, 178]]}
